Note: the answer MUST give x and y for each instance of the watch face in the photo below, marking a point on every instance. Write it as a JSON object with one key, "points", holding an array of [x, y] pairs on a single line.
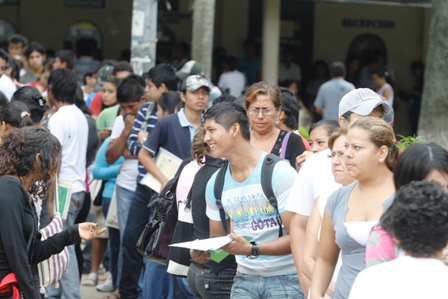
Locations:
{"points": [[252, 257]]}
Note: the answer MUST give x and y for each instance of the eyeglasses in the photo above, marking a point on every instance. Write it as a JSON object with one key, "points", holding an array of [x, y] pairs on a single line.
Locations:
{"points": [[333, 155], [263, 111]]}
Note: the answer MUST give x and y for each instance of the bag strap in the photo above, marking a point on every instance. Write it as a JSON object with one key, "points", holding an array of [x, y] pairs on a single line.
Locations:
{"points": [[267, 171], [188, 204], [219, 184], [284, 145], [147, 116]]}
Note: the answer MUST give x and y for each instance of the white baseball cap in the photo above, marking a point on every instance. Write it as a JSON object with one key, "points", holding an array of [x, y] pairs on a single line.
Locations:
{"points": [[362, 101]]}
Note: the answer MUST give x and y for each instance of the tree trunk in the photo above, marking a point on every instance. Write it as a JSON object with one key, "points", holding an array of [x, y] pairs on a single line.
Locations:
{"points": [[433, 125], [144, 35], [203, 28]]}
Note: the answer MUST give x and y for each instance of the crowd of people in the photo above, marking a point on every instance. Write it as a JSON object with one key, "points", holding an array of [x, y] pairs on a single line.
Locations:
{"points": [[342, 213]]}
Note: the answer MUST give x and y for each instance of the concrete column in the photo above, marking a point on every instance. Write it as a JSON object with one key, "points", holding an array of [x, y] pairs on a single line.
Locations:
{"points": [[144, 35], [203, 29], [271, 40]]}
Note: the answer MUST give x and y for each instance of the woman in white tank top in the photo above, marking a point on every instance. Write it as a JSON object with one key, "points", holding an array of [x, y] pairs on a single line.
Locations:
{"points": [[381, 77]]}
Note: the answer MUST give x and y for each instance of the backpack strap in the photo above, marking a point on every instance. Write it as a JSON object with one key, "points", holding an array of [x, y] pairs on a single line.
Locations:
{"points": [[267, 171], [219, 184], [284, 145]]}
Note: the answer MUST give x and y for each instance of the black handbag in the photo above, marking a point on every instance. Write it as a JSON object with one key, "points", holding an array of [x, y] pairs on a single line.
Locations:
{"points": [[155, 238]]}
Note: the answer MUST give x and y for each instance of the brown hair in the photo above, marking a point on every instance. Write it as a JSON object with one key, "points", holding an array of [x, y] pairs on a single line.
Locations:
{"points": [[199, 148], [381, 134], [338, 132], [262, 88]]}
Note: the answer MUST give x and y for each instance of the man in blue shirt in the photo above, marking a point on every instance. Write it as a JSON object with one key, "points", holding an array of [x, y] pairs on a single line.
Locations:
{"points": [[175, 132], [332, 91]]}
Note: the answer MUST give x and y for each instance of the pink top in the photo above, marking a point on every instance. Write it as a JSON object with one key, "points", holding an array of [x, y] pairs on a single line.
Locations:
{"points": [[380, 247], [186, 180]]}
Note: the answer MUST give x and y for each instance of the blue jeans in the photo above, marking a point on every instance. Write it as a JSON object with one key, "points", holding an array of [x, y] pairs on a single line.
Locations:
{"points": [[157, 283], [206, 284], [124, 199], [185, 288], [69, 283], [113, 244], [132, 261], [258, 287]]}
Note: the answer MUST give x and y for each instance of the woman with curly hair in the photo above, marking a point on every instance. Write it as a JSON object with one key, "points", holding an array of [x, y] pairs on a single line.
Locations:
{"points": [[29, 155], [418, 221]]}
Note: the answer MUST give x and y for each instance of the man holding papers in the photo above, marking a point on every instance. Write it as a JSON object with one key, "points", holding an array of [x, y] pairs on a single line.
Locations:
{"points": [[174, 133], [265, 264]]}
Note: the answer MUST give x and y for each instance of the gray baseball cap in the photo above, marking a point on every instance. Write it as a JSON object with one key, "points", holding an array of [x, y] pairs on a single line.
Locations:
{"points": [[194, 82], [362, 101]]}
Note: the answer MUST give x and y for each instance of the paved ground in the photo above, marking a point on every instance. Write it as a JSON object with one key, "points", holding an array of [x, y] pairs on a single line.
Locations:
{"points": [[89, 292]]}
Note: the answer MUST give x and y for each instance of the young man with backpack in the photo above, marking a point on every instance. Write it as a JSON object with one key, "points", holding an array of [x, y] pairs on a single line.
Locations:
{"points": [[258, 221]]}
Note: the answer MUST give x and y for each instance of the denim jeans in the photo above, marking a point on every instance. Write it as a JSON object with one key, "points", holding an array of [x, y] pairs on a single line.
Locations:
{"points": [[206, 284], [69, 283], [132, 261], [113, 244], [157, 283], [124, 199], [275, 287], [185, 288]]}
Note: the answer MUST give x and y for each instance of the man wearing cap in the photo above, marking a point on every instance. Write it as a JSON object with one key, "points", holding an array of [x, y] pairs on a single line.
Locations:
{"points": [[316, 178], [135, 195], [193, 67], [175, 134]]}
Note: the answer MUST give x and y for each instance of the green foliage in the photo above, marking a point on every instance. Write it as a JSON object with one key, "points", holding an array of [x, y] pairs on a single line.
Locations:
{"points": [[406, 141], [304, 132]]}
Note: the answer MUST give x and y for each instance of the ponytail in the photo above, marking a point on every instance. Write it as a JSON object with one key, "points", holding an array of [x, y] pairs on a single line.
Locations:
{"points": [[392, 157], [16, 114]]}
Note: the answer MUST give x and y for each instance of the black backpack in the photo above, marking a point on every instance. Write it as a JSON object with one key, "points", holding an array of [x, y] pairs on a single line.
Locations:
{"points": [[266, 183]]}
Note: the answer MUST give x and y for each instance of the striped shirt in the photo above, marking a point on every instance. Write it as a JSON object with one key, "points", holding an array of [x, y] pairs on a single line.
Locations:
{"points": [[133, 144]]}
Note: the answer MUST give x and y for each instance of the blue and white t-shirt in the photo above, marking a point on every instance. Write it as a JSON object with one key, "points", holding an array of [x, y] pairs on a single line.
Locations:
{"points": [[254, 217]]}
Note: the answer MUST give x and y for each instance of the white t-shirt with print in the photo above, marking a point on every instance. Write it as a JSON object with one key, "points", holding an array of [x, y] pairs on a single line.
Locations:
{"points": [[254, 217], [69, 125], [127, 178], [314, 178]]}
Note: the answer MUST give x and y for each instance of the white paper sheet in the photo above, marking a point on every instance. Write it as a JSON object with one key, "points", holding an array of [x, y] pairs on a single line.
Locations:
{"points": [[205, 244]]}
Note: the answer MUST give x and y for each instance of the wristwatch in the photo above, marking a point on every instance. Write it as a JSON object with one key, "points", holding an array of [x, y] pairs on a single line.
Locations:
{"points": [[143, 141], [254, 252]]}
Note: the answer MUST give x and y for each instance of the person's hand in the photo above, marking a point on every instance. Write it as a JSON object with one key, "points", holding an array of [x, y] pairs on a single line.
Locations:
{"points": [[330, 289], [200, 257], [301, 159], [129, 123], [142, 135], [163, 184], [104, 133], [239, 245], [89, 230]]}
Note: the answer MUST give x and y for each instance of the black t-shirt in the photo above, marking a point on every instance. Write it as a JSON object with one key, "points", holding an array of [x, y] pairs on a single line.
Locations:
{"points": [[201, 224], [294, 147], [18, 223]]}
